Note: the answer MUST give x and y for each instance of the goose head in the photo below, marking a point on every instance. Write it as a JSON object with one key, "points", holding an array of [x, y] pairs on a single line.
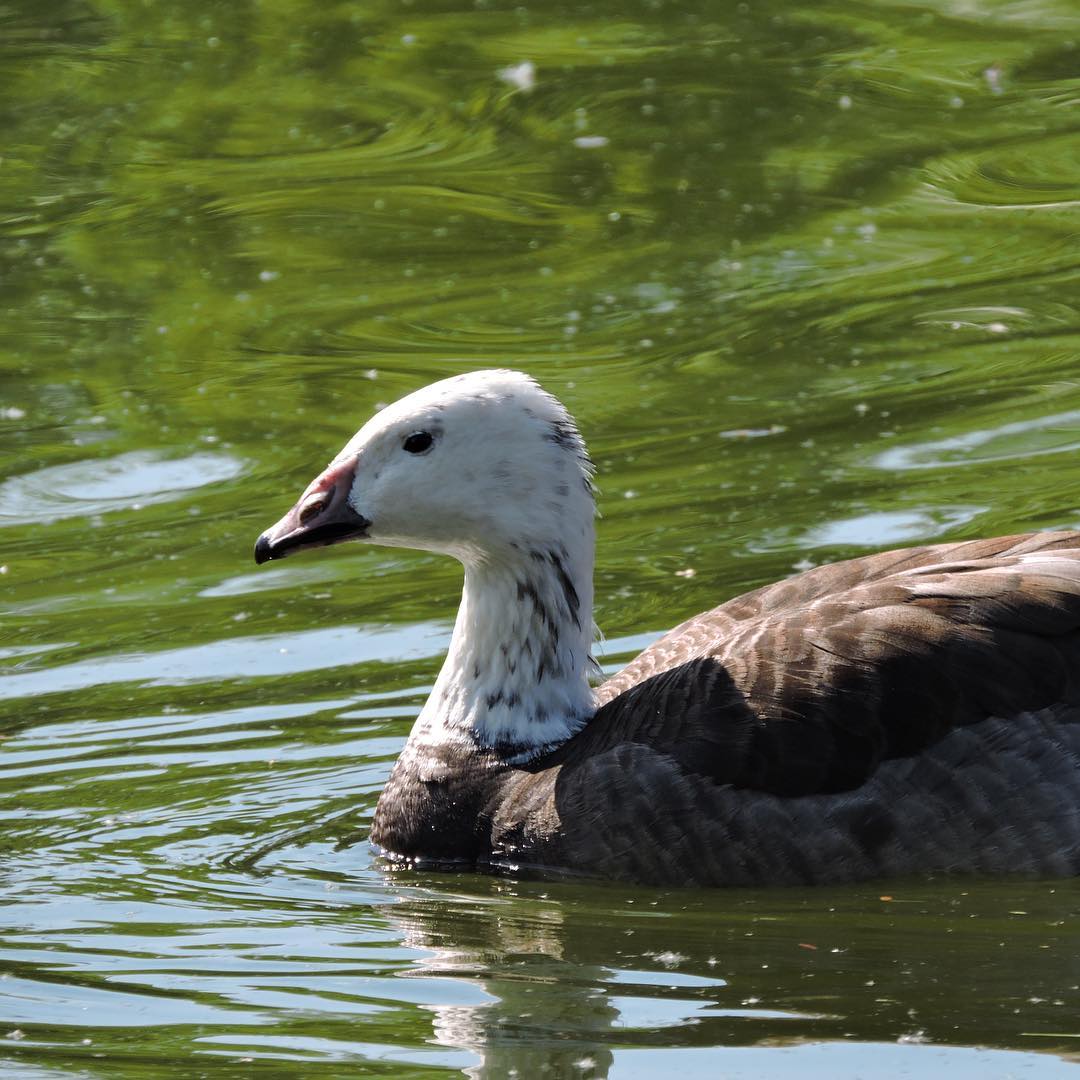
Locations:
{"points": [[484, 467]]}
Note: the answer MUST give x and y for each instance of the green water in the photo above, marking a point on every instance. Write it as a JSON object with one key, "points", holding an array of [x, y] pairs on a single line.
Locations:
{"points": [[807, 273]]}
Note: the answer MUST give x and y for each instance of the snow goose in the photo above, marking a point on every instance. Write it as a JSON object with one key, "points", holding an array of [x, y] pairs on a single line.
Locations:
{"points": [[911, 712]]}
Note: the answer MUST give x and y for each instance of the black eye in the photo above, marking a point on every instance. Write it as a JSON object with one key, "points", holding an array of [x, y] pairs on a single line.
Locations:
{"points": [[418, 442]]}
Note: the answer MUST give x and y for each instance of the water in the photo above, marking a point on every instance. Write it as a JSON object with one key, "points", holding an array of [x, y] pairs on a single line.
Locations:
{"points": [[807, 275]]}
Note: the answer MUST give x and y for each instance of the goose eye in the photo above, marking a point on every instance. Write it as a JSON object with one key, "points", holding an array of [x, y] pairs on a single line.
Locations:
{"points": [[418, 442]]}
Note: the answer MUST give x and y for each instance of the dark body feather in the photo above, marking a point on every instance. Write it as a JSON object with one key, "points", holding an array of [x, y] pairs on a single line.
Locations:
{"points": [[916, 711]]}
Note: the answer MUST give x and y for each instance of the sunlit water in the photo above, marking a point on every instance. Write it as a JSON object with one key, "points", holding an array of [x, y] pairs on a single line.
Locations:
{"points": [[807, 275]]}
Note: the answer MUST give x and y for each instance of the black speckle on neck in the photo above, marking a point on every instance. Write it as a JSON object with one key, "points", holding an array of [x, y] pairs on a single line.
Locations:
{"points": [[557, 559], [526, 590], [573, 602], [563, 433], [544, 624]]}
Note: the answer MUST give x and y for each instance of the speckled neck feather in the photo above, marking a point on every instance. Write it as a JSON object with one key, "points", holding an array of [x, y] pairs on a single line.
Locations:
{"points": [[515, 679]]}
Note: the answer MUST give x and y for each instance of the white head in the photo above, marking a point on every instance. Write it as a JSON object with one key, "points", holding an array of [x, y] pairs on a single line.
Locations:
{"points": [[489, 468], [478, 466]]}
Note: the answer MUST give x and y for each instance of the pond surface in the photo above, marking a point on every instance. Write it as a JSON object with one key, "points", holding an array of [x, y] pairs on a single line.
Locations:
{"points": [[807, 272]]}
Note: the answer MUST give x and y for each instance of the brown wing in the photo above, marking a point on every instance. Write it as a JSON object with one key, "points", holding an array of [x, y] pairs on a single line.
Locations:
{"points": [[805, 686]]}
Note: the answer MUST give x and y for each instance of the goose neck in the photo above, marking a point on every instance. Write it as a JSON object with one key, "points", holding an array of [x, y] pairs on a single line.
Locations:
{"points": [[516, 676]]}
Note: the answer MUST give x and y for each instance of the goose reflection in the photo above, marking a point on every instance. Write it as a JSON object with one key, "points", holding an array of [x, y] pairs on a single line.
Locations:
{"points": [[546, 1014], [576, 979], [564, 988]]}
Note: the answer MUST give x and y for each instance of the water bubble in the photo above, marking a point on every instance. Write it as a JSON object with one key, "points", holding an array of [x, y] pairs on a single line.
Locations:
{"points": [[520, 76]]}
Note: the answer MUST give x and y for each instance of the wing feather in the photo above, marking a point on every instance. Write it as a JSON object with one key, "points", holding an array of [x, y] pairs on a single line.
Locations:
{"points": [[806, 686]]}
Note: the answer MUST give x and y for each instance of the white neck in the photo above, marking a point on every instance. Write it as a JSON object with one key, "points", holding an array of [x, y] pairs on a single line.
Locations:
{"points": [[515, 678]]}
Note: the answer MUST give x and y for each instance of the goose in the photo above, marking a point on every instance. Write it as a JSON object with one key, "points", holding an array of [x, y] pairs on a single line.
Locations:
{"points": [[912, 712]]}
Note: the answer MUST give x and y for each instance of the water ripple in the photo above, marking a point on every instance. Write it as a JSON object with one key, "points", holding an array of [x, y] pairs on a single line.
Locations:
{"points": [[235, 658], [1054, 434], [105, 485]]}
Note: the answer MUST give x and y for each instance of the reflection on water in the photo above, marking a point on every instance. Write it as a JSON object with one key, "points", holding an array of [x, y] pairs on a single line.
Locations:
{"points": [[314, 965], [101, 486], [238, 657], [806, 274], [880, 527], [1055, 434], [572, 978]]}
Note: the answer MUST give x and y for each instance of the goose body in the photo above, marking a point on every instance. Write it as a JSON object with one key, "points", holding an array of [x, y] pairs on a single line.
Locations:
{"points": [[911, 712]]}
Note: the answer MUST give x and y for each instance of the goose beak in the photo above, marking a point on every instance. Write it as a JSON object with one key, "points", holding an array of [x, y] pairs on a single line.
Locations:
{"points": [[322, 517]]}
